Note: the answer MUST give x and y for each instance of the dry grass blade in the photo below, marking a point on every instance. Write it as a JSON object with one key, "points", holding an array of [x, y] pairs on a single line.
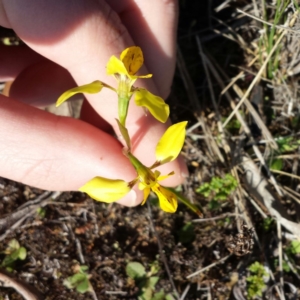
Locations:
{"points": [[258, 187], [192, 94], [208, 267], [268, 23], [161, 252], [246, 127], [14, 220], [253, 83]]}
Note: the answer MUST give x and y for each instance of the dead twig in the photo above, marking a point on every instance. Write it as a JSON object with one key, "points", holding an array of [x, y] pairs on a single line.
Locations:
{"points": [[21, 215], [28, 292], [209, 266], [161, 251]]}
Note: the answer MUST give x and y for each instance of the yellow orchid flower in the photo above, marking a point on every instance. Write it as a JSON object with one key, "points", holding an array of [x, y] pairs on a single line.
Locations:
{"points": [[167, 149], [124, 70]]}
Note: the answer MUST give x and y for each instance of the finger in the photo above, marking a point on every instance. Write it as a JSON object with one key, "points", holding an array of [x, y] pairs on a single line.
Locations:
{"points": [[41, 84], [56, 30], [45, 76], [14, 59], [57, 153], [155, 34], [89, 115]]}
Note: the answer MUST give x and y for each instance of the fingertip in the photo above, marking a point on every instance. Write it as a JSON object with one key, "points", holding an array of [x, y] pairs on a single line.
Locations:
{"points": [[133, 198], [183, 170]]}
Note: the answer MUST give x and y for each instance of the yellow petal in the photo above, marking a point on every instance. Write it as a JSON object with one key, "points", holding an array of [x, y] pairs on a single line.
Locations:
{"points": [[146, 194], [91, 88], [156, 105], [167, 199], [171, 143], [105, 190], [163, 177], [132, 59], [114, 66]]}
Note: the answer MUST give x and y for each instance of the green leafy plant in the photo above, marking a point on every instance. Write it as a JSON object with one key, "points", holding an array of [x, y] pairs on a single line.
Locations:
{"points": [[270, 37], [233, 124], [267, 224], [294, 247], [285, 266], [255, 281], [291, 251], [218, 189], [285, 144], [13, 253], [79, 281], [146, 281]]}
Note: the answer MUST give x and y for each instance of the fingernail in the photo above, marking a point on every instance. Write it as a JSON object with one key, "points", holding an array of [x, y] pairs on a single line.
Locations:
{"points": [[183, 167], [129, 200]]}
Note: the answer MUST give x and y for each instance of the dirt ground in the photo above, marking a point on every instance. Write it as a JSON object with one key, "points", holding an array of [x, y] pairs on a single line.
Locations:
{"points": [[246, 245]]}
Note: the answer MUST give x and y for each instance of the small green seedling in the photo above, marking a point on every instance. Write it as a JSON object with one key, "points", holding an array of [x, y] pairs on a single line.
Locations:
{"points": [[292, 250], [267, 224], [285, 266], [255, 281], [218, 189], [41, 211], [146, 281], [13, 252], [294, 247], [285, 144], [79, 281]]}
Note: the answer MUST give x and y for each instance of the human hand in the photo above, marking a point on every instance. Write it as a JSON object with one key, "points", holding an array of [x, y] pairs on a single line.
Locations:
{"points": [[58, 153]]}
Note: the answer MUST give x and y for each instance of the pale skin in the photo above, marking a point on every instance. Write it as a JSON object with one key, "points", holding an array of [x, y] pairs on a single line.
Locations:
{"points": [[59, 153]]}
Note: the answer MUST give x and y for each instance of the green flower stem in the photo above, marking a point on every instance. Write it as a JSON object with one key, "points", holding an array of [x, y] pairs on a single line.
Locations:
{"points": [[123, 103], [142, 171], [186, 202]]}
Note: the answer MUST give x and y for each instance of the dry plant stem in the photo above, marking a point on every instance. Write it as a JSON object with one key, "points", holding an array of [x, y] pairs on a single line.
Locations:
{"points": [[79, 251], [254, 81], [195, 103], [7, 281], [246, 128], [265, 131], [256, 11], [286, 258], [233, 81], [222, 6], [285, 174], [189, 86], [268, 23], [209, 266], [258, 186], [255, 204], [257, 77], [22, 210], [185, 292], [93, 293], [26, 212], [279, 236], [291, 193], [241, 207], [116, 293], [161, 251], [238, 204], [236, 37], [216, 218], [212, 95]]}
